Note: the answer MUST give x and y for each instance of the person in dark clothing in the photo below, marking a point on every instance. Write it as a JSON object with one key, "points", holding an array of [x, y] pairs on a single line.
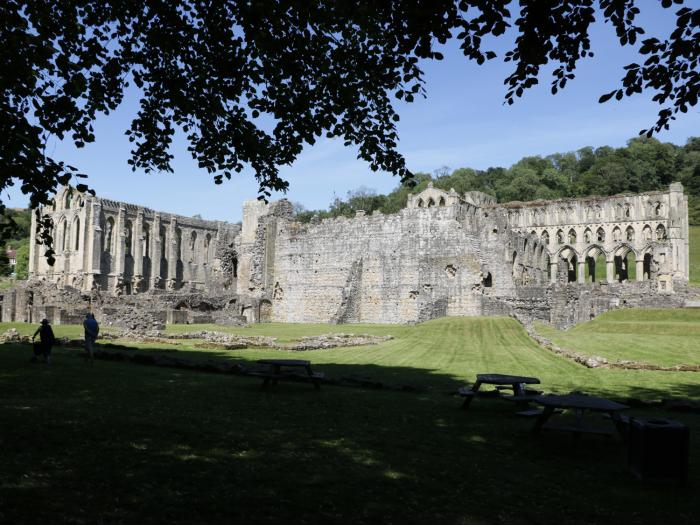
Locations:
{"points": [[46, 339], [92, 329]]}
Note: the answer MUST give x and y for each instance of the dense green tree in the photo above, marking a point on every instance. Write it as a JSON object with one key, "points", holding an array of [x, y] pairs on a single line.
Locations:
{"points": [[22, 265], [5, 267]]}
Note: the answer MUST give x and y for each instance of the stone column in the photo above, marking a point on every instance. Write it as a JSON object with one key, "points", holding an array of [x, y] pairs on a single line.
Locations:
{"points": [[155, 251], [640, 269], [33, 248], [93, 245], [581, 274], [137, 236], [120, 252], [610, 270], [172, 254], [553, 271]]}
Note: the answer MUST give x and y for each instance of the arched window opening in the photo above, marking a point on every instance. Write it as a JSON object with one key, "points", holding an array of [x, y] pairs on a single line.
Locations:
{"points": [[129, 239], [598, 212], [618, 211], [61, 230], [629, 211], [178, 244], [617, 234], [442, 201], [545, 238], [595, 266], [560, 237], [235, 267], [193, 245], [68, 199], [600, 235], [587, 235], [146, 246], [647, 267], [163, 236], [76, 230], [629, 234], [658, 209], [572, 263], [66, 237], [207, 247], [431, 202], [420, 203], [625, 266], [109, 234], [646, 233], [660, 233], [487, 281], [572, 236]]}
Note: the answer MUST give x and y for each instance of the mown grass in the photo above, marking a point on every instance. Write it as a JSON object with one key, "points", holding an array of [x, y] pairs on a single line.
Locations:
{"points": [[120, 443], [661, 337], [445, 353], [694, 238]]}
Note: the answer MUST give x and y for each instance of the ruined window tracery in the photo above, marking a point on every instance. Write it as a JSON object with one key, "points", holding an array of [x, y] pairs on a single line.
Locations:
{"points": [[600, 235], [660, 233], [587, 235], [658, 209]]}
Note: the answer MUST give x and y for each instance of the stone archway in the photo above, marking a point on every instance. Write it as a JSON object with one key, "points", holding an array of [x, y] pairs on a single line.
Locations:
{"points": [[265, 311]]}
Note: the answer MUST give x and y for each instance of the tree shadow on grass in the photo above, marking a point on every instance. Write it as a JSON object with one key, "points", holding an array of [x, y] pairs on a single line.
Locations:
{"points": [[116, 442]]}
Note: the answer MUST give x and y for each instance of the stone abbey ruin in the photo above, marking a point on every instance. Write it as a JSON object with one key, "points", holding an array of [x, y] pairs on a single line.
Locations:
{"points": [[444, 254]]}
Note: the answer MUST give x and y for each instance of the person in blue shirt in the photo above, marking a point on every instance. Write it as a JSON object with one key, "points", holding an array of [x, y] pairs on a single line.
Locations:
{"points": [[46, 340], [92, 328]]}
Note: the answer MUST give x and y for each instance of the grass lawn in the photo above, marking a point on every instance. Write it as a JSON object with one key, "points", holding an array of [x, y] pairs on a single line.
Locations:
{"points": [[122, 443], [694, 239], [663, 337], [119, 443]]}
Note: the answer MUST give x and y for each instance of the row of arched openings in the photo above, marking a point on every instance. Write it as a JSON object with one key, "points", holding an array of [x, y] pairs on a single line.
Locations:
{"points": [[599, 235], [431, 202]]}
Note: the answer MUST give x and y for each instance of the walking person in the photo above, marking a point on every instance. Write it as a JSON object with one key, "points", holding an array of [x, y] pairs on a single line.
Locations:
{"points": [[92, 328], [46, 340]]}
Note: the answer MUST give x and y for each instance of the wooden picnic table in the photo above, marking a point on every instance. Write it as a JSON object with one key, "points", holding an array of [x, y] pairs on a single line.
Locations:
{"points": [[274, 371], [517, 384], [579, 403]]}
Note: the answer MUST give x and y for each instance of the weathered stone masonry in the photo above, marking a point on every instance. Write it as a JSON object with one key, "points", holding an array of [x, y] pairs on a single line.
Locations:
{"points": [[444, 254]]}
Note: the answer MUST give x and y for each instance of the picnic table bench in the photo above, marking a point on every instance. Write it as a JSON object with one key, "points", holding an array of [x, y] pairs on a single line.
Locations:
{"points": [[579, 403], [274, 372], [522, 396]]}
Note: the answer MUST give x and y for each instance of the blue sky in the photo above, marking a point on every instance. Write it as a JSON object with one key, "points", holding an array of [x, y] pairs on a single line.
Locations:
{"points": [[462, 123]]}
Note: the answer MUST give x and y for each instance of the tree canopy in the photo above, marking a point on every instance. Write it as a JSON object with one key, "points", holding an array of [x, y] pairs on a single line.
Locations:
{"points": [[252, 82]]}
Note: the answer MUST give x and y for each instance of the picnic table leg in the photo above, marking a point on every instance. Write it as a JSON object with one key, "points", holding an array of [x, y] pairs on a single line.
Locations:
{"points": [[542, 419], [519, 390], [314, 380], [468, 399]]}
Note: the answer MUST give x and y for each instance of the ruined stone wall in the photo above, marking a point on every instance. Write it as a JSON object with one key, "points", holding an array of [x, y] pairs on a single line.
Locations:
{"points": [[415, 265], [121, 248]]}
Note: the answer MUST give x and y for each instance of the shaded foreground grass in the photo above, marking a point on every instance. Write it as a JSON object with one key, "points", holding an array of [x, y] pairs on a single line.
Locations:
{"points": [[114, 442], [661, 337]]}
